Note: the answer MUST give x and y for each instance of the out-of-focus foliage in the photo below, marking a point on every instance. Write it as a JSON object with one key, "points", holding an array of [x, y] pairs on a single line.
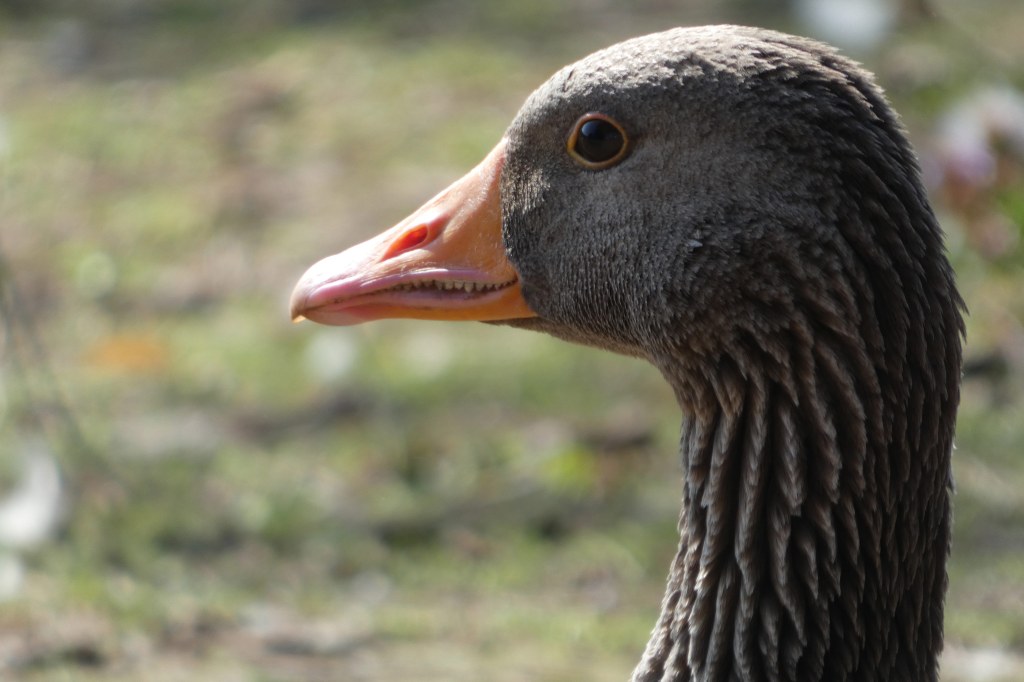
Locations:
{"points": [[246, 498]]}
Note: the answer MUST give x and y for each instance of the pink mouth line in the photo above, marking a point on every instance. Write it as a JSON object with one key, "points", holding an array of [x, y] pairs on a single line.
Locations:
{"points": [[426, 286]]}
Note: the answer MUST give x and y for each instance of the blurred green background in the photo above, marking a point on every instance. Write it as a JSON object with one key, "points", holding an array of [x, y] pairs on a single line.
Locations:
{"points": [[244, 499]]}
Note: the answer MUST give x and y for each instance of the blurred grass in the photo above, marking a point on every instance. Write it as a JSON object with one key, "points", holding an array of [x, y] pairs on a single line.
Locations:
{"points": [[398, 501]]}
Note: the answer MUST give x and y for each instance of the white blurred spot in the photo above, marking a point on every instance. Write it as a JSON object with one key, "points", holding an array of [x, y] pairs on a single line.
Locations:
{"points": [[857, 25], [12, 575], [426, 354], [969, 132], [331, 355], [982, 665], [29, 514]]}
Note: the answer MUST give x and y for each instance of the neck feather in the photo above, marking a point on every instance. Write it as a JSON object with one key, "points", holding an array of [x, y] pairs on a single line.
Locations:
{"points": [[815, 521]]}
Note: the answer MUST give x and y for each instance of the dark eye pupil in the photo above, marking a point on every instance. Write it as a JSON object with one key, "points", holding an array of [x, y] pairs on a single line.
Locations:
{"points": [[598, 141]]}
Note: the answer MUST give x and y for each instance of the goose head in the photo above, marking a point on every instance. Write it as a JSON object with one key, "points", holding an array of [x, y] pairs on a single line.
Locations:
{"points": [[741, 208]]}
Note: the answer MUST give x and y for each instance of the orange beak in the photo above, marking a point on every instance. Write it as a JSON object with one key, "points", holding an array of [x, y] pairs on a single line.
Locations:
{"points": [[444, 262]]}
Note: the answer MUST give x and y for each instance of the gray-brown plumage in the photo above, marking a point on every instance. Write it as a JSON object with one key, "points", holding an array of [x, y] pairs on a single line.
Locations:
{"points": [[766, 243]]}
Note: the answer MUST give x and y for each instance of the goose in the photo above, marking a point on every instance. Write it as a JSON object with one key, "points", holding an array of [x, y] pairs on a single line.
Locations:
{"points": [[742, 209]]}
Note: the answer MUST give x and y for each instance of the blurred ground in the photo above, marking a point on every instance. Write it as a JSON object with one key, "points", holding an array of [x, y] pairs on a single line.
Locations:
{"points": [[246, 499]]}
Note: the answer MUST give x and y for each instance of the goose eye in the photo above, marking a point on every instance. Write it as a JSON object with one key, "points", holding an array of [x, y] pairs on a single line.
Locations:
{"points": [[597, 142]]}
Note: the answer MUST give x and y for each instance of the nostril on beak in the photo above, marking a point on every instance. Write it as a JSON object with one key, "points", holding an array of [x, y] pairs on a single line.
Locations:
{"points": [[413, 238], [410, 239]]}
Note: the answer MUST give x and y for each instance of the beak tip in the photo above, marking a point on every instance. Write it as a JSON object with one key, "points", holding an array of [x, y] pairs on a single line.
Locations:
{"points": [[297, 303]]}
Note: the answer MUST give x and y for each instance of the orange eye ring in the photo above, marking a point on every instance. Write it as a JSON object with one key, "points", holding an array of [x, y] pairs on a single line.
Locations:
{"points": [[597, 141]]}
